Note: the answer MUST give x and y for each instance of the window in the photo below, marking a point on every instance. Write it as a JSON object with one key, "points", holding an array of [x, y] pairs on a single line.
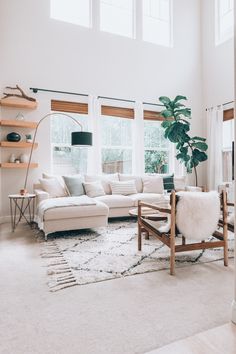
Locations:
{"points": [[157, 22], [116, 130], [72, 11], [156, 147], [224, 20], [116, 16], [228, 138], [67, 159]]}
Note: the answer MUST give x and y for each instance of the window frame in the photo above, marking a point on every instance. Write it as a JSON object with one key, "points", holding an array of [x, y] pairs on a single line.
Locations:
{"points": [[134, 23], [170, 24], [221, 38]]}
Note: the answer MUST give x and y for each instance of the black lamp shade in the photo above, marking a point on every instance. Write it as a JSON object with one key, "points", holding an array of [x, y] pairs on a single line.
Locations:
{"points": [[81, 138]]}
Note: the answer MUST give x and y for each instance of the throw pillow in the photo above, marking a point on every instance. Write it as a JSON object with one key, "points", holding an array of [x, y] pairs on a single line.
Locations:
{"points": [[104, 179], [58, 177], [153, 184], [180, 183], [53, 187], [168, 182], [138, 181], [74, 185], [93, 189], [123, 187]]}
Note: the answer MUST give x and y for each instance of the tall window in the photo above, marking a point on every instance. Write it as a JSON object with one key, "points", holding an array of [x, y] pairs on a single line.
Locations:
{"points": [[116, 130], [224, 20], [157, 22], [116, 16], [66, 158], [228, 138], [72, 11], [156, 147]]}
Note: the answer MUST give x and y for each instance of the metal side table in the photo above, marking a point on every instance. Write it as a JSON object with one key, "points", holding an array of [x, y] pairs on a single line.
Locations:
{"points": [[25, 206]]}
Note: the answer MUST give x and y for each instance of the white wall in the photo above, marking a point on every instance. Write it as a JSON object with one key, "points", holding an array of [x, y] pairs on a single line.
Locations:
{"points": [[218, 61], [51, 54]]}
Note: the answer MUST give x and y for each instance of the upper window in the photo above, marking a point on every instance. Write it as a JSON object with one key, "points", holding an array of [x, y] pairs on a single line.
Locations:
{"points": [[224, 20], [67, 159], [72, 11], [116, 16], [157, 22], [156, 147], [116, 132]]}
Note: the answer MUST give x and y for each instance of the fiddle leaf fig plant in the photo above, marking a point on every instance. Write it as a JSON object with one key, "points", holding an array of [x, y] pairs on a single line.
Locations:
{"points": [[190, 150]]}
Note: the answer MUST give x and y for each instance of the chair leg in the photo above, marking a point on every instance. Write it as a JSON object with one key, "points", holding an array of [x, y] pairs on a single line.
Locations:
{"points": [[225, 228], [139, 237], [172, 260]]}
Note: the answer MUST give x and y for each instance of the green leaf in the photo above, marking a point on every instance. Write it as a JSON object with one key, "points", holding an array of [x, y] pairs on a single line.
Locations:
{"points": [[184, 150], [165, 100], [179, 98], [167, 113], [176, 133], [199, 155], [166, 123], [200, 145], [198, 138], [185, 112]]}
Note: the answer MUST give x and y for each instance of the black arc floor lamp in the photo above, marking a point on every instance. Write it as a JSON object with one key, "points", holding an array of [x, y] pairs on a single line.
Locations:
{"points": [[79, 138]]}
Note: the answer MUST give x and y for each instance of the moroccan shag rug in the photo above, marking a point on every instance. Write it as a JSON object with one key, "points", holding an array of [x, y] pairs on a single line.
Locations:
{"points": [[87, 256]]}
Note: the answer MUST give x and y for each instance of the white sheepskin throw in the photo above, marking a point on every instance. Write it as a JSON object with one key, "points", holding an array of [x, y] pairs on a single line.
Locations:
{"points": [[197, 214]]}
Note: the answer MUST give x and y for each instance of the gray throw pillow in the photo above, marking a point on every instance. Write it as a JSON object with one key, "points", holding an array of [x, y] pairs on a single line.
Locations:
{"points": [[74, 185]]}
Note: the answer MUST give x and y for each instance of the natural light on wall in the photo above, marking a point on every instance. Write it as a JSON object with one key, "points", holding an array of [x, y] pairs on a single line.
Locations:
{"points": [[72, 11], [224, 20], [116, 16], [157, 22]]}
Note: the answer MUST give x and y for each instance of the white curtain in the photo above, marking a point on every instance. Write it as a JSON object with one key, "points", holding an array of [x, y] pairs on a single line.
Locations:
{"points": [[215, 145]]}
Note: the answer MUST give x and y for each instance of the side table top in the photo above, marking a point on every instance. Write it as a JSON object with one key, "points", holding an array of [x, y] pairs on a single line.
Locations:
{"points": [[19, 196]]}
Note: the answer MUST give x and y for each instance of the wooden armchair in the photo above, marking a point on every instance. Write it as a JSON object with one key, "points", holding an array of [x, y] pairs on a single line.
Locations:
{"points": [[169, 237]]}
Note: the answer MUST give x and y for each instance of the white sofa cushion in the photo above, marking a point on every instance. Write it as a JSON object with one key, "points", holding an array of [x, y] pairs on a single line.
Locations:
{"points": [[74, 185], [58, 177], [153, 184], [116, 201], [145, 197], [53, 187], [138, 181], [104, 179], [78, 211], [93, 189], [123, 187], [180, 183]]}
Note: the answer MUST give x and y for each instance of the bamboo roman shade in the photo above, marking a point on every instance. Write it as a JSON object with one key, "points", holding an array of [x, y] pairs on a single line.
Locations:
{"points": [[152, 115], [70, 107], [228, 114], [120, 112]]}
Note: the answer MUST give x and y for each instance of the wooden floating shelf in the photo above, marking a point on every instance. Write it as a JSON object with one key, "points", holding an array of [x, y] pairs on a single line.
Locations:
{"points": [[19, 144], [18, 165], [18, 123], [13, 102]]}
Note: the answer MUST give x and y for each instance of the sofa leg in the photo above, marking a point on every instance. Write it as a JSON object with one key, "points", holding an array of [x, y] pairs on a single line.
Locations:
{"points": [[45, 237]]}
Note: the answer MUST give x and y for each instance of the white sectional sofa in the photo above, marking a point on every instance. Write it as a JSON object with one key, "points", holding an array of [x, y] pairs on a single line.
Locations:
{"points": [[68, 213]]}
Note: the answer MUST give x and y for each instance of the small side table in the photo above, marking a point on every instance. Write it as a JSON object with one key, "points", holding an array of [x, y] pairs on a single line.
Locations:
{"points": [[24, 204]]}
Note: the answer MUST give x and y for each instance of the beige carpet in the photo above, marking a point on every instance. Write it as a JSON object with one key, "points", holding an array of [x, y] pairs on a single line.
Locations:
{"points": [[87, 256], [122, 316]]}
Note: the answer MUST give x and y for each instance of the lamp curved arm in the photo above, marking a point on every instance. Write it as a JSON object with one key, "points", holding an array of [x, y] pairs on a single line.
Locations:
{"points": [[35, 133]]}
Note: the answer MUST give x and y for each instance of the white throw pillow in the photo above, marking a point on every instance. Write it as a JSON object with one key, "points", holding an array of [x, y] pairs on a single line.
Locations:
{"points": [[53, 187], [138, 181], [93, 189], [104, 179], [58, 177], [180, 183], [123, 187], [153, 184]]}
